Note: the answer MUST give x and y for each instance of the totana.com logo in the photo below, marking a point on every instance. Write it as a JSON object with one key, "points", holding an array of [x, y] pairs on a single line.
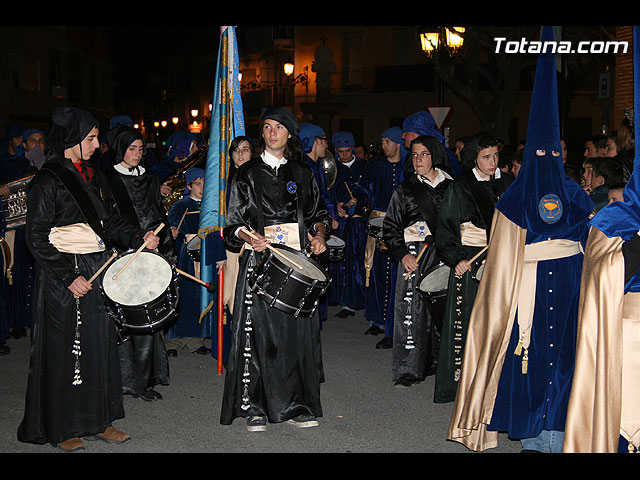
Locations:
{"points": [[525, 46]]}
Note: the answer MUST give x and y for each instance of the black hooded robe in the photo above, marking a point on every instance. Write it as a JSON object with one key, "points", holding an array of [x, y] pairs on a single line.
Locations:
{"points": [[414, 334], [275, 361], [57, 409], [143, 356], [460, 206]]}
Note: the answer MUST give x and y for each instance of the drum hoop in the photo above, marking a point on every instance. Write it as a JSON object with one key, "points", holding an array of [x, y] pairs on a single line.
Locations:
{"points": [[299, 256]]}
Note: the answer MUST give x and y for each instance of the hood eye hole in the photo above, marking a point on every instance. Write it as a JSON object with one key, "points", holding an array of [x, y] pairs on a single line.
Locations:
{"points": [[555, 154], [540, 153]]}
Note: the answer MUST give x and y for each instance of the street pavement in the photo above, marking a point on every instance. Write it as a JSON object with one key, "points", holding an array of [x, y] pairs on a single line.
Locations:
{"points": [[363, 412]]}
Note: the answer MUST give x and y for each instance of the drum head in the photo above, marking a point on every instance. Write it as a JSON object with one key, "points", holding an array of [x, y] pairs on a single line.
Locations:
{"points": [[435, 280], [377, 222], [146, 278], [194, 243], [335, 242]]}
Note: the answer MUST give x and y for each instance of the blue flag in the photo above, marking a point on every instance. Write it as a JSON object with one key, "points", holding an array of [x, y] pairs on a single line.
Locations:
{"points": [[227, 122]]}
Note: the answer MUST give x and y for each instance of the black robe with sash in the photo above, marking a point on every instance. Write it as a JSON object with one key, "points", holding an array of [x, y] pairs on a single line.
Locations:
{"points": [[414, 334], [470, 202], [275, 363], [143, 357], [65, 399]]}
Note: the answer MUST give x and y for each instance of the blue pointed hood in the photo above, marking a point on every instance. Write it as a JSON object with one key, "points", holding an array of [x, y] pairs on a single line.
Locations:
{"points": [[541, 199]]}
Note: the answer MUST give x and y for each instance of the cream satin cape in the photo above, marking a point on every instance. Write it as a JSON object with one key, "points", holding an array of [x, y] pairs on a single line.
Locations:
{"points": [[602, 406], [489, 330]]}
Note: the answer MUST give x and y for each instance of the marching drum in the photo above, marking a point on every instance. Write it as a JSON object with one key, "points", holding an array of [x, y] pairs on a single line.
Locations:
{"points": [[335, 247], [292, 290], [145, 295], [375, 227], [435, 282], [193, 248], [375, 230]]}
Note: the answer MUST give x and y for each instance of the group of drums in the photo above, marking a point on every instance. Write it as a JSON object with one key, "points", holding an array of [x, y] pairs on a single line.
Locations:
{"points": [[287, 279]]}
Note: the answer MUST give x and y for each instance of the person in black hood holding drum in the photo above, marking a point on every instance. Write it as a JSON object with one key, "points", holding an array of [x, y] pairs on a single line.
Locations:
{"points": [[275, 368], [134, 192], [74, 388], [408, 230]]}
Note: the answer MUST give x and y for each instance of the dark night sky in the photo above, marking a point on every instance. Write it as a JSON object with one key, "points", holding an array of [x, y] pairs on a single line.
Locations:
{"points": [[139, 51]]}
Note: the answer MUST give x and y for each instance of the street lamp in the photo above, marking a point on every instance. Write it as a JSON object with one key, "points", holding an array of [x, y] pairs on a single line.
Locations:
{"points": [[302, 79], [434, 40]]}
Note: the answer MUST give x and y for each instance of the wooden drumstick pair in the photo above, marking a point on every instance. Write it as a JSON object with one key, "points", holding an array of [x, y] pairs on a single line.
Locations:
{"points": [[273, 249], [473, 259]]}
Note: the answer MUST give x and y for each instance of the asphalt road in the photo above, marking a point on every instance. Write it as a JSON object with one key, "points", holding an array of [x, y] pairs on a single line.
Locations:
{"points": [[363, 411]]}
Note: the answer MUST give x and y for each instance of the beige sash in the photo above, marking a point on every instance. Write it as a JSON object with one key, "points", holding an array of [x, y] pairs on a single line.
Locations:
{"points": [[7, 251], [282, 234], [76, 238], [416, 232], [472, 236], [370, 248], [533, 253], [629, 418], [231, 269]]}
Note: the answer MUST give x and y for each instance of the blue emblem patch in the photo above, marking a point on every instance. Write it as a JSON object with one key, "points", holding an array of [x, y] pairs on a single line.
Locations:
{"points": [[550, 208], [291, 187]]}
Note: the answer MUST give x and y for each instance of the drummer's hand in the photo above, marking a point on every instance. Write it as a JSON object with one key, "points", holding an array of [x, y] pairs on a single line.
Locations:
{"points": [[318, 245], [80, 286], [165, 190], [175, 232], [341, 211], [259, 244], [352, 202], [462, 267], [334, 224], [152, 240], [409, 263]]}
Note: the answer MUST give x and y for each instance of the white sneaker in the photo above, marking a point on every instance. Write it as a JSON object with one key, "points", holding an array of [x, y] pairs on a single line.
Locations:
{"points": [[304, 421], [257, 423]]}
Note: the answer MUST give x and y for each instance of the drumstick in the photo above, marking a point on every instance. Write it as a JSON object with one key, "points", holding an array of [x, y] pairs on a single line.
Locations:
{"points": [[95, 275], [273, 249], [133, 257], [182, 219], [478, 254], [349, 190], [417, 259], [210, 288]]}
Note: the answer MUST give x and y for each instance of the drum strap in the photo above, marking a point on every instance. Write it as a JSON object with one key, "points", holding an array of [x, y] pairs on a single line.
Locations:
{"points": [[297, 178], [121, 197], [481, 198], [425, 203], [257, 183], [82, 200]]}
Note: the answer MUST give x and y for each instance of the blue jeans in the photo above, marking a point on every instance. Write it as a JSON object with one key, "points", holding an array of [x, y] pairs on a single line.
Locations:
{"points": [[549, 441]]}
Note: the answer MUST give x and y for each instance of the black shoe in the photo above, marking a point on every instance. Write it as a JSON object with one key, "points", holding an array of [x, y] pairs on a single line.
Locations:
{"points": [[386, 342], [304, 421], [345, 312], [203, 350], [172, 352], [257, 423], [373, 330], [4, 350], [149, 395]]}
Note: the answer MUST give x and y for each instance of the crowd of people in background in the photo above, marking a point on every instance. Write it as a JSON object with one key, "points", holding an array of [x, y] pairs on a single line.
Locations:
{"points": [[397, 209]]}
